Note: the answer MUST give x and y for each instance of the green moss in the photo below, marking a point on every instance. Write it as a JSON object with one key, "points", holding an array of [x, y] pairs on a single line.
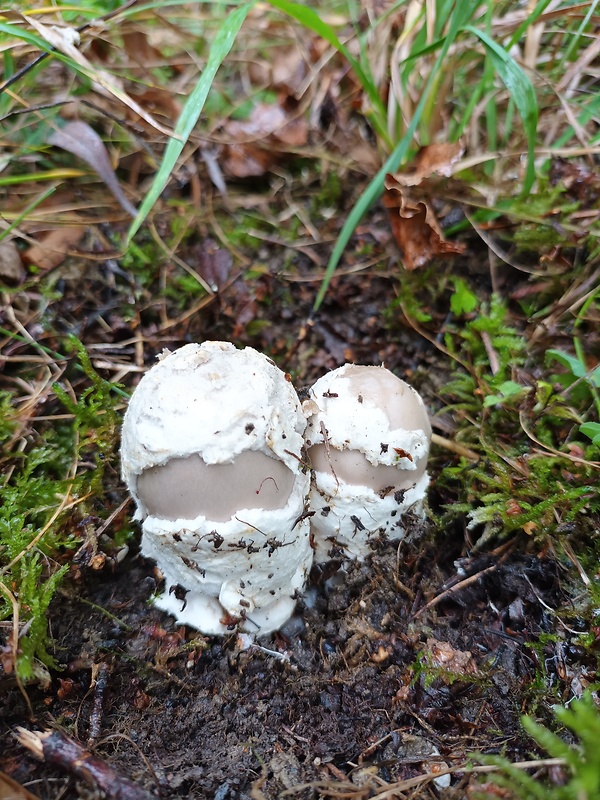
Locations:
{"points": [[43, 498]]}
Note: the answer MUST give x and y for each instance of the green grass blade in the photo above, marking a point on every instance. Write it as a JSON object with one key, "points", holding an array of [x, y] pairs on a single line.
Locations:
{"points": [[462, 12], [221, 46], [311, 20], [522, 92], [26, 211]]}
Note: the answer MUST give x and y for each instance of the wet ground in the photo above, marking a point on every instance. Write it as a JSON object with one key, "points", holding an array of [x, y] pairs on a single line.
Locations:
{"points": [[390, 670]]}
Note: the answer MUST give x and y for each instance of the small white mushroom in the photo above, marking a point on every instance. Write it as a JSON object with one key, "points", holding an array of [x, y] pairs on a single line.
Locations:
{"points": [[368, 439], [212, 454]]}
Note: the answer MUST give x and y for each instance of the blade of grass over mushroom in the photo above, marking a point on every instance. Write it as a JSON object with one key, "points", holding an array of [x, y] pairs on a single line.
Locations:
{"points": [[460, 15], [311, 20], [221, 46], [522, 93]]}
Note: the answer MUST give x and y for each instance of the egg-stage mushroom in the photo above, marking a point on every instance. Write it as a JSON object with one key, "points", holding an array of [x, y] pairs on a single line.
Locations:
{"points": [[212, 454], [368, 439]]}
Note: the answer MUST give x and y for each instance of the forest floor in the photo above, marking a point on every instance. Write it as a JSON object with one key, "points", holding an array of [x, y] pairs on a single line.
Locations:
{"points": [[391, 670]]}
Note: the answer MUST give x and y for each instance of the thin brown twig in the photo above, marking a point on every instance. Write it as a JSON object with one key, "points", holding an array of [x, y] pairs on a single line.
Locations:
{"points": [[454, 447], [457, 587]]}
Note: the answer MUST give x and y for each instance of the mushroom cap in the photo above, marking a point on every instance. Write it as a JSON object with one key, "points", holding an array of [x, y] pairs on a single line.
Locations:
{"points": [[368, 437], [369, 410], [213, 402]]}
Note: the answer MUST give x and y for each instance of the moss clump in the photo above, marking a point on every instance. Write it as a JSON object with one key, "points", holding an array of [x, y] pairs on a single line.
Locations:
{"points": [[53, 477]]}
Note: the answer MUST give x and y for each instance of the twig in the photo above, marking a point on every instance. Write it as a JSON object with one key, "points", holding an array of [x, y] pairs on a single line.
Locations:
{"points": [[100, 675], [454, 447], [15, 625], [457, 587], [59, 750], [351, 790], [14, 789]]}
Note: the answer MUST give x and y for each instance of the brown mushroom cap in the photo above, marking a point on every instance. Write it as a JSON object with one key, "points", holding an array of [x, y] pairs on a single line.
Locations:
{"points": [[186, 488], [404, 410]]}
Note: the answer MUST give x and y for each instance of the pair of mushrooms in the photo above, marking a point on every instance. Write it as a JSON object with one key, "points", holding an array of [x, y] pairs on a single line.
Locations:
{"points": [[218, 453]]}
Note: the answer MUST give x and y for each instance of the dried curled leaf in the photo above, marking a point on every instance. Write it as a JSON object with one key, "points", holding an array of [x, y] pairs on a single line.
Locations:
{"points": [[443, 656], [52, 247], [433, 159], [257, 142], [415, 227], [11, 790]]}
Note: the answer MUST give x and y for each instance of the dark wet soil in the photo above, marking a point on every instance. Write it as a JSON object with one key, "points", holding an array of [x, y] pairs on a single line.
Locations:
{"points": [[354, 680]]}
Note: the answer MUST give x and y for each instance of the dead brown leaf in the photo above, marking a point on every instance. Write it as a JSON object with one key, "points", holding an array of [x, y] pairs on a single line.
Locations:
{"points": [[433, 159], [53, 247], [415, 227], [442, 655], [214, 264], [256, 144], [285, 68], [11, 790], [11, 266]]}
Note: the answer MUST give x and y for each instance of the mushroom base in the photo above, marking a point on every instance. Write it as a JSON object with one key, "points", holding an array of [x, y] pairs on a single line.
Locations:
{"points": [[348, 519], [205, 613]]}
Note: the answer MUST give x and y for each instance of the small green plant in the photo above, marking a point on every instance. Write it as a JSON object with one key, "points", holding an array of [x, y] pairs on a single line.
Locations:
{"points": [[521, 423], [582, 717], [55, 478]]}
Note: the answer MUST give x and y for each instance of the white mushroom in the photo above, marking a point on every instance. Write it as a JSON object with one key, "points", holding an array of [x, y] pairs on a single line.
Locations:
{"points": [[212, 454], [368, 439]]}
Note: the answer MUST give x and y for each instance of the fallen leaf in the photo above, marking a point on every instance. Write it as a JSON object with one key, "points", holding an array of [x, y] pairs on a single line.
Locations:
{"points": [[432, 159], [256, 143], [285, 68], [214, 264], [415, 227], [443, 656], [53, 248], [82, 141]]}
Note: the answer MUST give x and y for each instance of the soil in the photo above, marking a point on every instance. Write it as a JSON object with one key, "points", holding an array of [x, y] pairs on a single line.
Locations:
{"points": [[389, 670]]}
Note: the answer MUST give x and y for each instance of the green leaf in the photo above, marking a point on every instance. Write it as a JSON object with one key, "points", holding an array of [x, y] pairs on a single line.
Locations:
{"points": [[592, 430], [508, 390], [522, 92], [572, 363], [221, 46], [463, 300]]}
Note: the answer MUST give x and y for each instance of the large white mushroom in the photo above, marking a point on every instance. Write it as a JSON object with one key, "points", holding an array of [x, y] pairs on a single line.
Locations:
{"points": [[212, 454], [368, 439]]}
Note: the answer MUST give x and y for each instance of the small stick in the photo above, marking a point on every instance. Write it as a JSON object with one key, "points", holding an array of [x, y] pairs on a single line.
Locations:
{"points": [[57, 749], [457, 587], [454, 447], [9, 788], [100, 676]]}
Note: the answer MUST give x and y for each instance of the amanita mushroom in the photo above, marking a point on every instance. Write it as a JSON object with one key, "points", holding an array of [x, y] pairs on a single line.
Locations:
{"points": [[212, 454], [368, 439]]}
